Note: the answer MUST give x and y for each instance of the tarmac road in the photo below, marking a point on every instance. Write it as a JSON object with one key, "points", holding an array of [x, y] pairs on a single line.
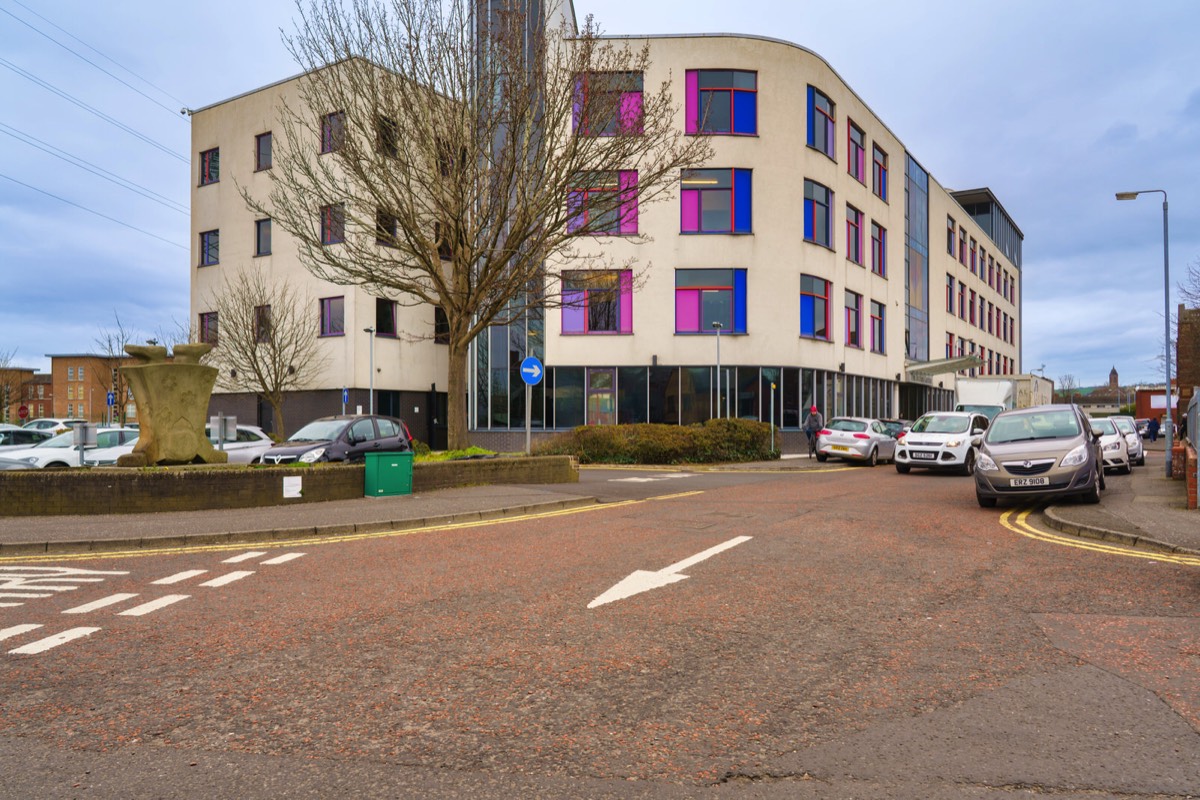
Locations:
{"points": [[876, 635]]}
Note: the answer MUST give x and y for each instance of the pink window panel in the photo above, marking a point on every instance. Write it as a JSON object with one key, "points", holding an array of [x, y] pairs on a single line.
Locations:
{"points": [[628, 179], [687, 311], [626, 292], [630, 112], [689, 210], [574, 312], [692, 103]]}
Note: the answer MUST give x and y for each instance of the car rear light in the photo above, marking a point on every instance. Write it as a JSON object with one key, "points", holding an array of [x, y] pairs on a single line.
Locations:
{"points": [[862, 436], [824, 432], [901, 434]]}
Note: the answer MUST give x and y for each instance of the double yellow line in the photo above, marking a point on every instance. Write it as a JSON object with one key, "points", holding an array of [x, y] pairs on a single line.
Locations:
{"points": [[1017, 521]]}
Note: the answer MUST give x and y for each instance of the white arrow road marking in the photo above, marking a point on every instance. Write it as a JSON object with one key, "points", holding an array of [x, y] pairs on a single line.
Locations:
{"points": [[111, 600], [179, 577], [244, 557], [230, 578], [42, 645], [666, 477], [17, 630], [643, 581], [153, 605], [283, 559]]}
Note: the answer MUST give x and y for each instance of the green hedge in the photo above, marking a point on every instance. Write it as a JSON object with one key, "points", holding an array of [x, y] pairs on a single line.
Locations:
{"points": [[718, 440]]}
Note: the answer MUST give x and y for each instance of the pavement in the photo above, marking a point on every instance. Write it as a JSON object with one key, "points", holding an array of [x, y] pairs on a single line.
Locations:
{"points": [[1143, 509]]}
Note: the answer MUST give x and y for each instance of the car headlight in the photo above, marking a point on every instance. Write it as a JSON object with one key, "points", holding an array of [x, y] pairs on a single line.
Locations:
{"points": [[954, 443], [1112, 446], [985, 463], [30, 460], [1076, 457], [312, 455]]}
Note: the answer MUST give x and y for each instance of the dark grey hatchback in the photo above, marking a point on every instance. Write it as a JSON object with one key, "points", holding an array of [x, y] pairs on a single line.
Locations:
{"points": [[347, 438]]}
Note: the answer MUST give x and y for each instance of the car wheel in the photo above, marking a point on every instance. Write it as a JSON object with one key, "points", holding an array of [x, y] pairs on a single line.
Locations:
{"points": [[57, 465], [873, 459], [985, 502], [903, 469], [968, 467], [1128, 468], [1092, 495], [822, 457]]}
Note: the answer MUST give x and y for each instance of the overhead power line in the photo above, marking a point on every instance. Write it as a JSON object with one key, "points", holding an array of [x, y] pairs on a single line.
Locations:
{"points": [[88, 166], [173, 112], [92, 211], [31, 77]]}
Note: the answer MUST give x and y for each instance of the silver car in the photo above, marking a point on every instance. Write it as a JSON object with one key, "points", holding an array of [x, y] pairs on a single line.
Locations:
{"points": [[1114, 449], [1040, 452], [856, 439], [1128, 426]]}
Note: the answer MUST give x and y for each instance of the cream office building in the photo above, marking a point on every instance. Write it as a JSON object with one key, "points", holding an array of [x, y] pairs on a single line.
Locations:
{"points": [[821, 258]]}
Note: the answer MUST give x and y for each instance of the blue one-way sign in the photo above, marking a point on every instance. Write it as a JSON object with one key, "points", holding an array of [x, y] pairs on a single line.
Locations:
{"points": [[531, 371]]}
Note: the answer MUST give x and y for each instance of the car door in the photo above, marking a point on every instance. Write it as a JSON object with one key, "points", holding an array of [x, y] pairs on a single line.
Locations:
{"points": [[361, 438], [885, 443], [391, 435]]}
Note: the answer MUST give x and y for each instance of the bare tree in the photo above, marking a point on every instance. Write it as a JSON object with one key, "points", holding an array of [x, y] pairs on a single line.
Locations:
{"points": [[466, 161], [10, 383], [1189, 287], [1066, 385], [111, 343], [265, 340]]}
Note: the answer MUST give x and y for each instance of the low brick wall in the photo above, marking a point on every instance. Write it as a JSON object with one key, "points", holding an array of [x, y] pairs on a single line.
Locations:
{"points": [[136, 491]]}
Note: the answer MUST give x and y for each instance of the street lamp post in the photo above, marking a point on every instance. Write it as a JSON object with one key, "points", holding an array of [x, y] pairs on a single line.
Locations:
{"points": [[371, 379], [1170, 426], [717, 327]]}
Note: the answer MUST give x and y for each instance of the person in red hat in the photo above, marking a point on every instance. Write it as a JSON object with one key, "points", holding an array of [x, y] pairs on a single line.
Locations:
{"points": [[813, 423]]}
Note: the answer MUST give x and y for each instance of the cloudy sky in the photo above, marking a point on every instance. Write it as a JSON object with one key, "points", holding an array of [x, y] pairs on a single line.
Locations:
{"points": [[1053, 105]]}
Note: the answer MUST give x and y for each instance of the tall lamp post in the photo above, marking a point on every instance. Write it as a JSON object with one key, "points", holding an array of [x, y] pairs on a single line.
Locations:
{"points": [[717, 327], [1170, 426], [371, 379]]}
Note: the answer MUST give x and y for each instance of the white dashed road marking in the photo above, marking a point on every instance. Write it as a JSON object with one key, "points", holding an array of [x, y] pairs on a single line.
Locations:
{"points": [[154, 605], [283, 559], [111, 600], [17, 630], [230, 578], [28, 583], [243, 557], [665, 477], [178, 577], [42, 645]]}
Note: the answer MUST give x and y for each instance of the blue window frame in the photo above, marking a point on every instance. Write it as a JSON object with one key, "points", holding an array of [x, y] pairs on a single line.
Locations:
{"points": [[822, 122], [814, 307], [716, 201], [818, 219], [705, 296], [722, 101]]}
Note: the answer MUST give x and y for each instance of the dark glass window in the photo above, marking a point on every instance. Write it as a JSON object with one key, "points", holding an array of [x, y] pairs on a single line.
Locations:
{"points": [[262, 151], [210, 166], [262, 237], [385, 317], [210, 248]]}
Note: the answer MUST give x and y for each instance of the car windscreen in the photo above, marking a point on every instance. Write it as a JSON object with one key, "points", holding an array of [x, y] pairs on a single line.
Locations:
{"points": [[62, 440], [1030, 427], [1124, 426], [941, 423], [319, 430], [1104, 427], [847, 425]]}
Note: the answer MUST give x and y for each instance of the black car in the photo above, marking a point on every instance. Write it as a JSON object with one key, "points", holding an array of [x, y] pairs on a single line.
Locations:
{"points": [[347, 438]]}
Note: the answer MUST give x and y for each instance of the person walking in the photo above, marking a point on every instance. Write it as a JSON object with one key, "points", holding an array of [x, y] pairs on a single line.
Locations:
{"points": [[813, 424], [1152, 429]]}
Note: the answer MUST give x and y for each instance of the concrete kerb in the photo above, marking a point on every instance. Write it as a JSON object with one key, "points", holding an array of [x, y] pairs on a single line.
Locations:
{"points": [[1054, 520], [280, 535]]}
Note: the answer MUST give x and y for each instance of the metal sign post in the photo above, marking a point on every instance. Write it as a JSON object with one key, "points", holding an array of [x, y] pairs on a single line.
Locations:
{"points": [[345, 399], [224, 428], [531, 372]]}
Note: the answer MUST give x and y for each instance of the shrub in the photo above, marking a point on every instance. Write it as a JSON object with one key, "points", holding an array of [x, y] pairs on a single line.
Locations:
{"points": [[717, 440], [419, 448]]}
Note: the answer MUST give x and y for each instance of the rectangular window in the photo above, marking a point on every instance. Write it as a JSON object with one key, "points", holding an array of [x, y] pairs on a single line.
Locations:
{"points": [[262, 237], [70, 393], [971, 250], [822, 122], [972, 307], [950, 293], [857, 143], [982, 312], [879, 173], [854, 232], [385, 228], [208, 328], [441, 326], [210, 166], [333, 316], [707, 296], [333, 131], [597, 302], [262, 324], [950, 231], [962, 300], [70, 373], [853, 319], [715, 201], [991, 262], [603, 203], [878, 344], [385, 317], [814, 307], [722, 101], [949, 345], [818, 221], [607, 103], [262, 151], [991, 315], [387, 137], [210, 248], [879, 249], [333, 223], [441, 235], [962, 246]]}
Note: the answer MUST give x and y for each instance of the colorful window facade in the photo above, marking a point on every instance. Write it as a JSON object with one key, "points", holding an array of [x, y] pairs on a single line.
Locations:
{"points": [[604, 203], [818, 219], [705, 296], [822, 122], [716, 201], [722, 101], [814, 307], [607, 103], [597, 302]]}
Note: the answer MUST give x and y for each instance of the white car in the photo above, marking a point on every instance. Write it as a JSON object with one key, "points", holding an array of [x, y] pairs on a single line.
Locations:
{"points": [[1113, 447], [55, 424], [14, 438], [61, 451], [941, 440], [249, 446], [1137, 451]]}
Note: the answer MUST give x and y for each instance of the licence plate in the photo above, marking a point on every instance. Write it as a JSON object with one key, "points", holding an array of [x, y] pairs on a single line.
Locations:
{"points": [[1030, 482], [929, 456], [839, 447]]}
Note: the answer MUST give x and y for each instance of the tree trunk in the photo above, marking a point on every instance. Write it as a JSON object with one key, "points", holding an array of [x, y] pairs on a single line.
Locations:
{"points": [[276, 403], [457, 437]]}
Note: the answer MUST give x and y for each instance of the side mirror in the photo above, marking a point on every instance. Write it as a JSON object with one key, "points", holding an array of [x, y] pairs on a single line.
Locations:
{"points": [[977, 432]]}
